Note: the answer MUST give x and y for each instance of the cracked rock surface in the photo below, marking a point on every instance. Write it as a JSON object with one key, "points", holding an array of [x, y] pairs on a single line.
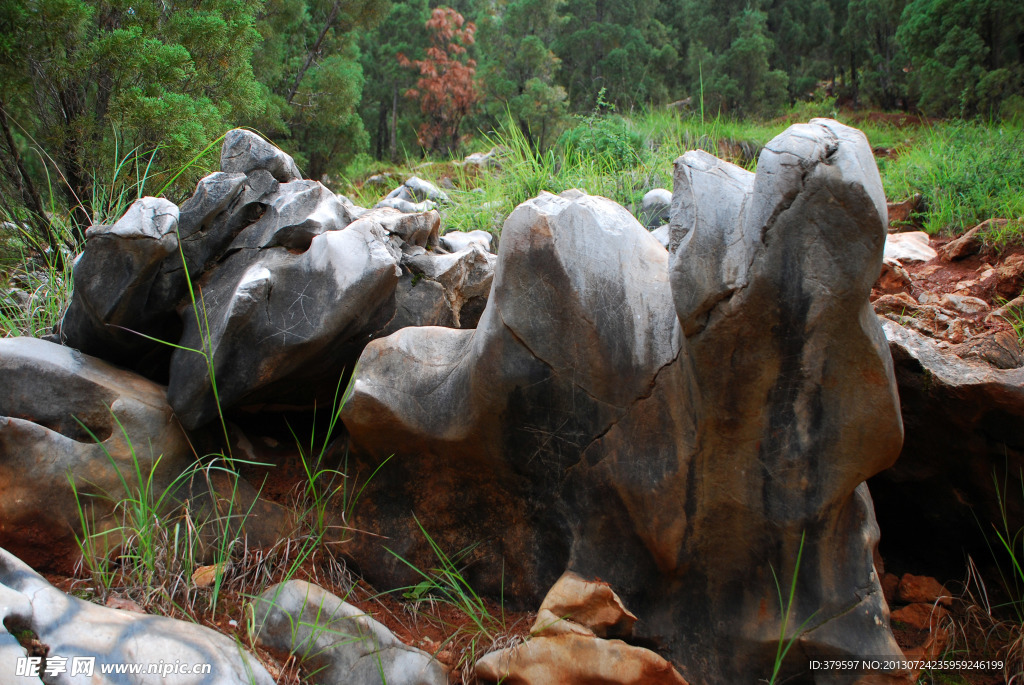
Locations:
{"points": [[70, 627], [679, 430]]}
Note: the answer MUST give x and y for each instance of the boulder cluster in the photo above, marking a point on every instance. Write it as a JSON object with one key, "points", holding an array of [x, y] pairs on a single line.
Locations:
{"points": [[678, 421]]}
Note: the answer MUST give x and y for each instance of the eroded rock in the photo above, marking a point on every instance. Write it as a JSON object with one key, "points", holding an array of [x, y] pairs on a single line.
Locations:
{"points": [[338, 641], [64, 414], [71, 627]]}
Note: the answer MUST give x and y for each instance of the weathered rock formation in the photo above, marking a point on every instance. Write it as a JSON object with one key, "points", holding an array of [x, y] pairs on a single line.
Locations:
{"points": [[269, 282], [680, 431], [66, 415]]}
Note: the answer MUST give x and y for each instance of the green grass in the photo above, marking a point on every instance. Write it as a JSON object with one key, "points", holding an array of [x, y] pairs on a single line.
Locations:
{"points": [[967, 172]]}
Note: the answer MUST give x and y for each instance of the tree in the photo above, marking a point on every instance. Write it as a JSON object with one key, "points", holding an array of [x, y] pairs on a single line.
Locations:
{"points": [[519, 66], [445, 88], [619, 46], [310, 65], [83, 79], [385, 111], [967, 56], [875, 58]]}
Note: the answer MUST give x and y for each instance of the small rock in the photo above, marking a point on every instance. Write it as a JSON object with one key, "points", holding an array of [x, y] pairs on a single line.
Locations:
{"points": [[415, 189], [900, 212], [893, 277], [925, 589], [406, 206], [1000, 349], [338, 641], [909, 247], [654, 208], [456, 241], [589, 604], [890, 582]]}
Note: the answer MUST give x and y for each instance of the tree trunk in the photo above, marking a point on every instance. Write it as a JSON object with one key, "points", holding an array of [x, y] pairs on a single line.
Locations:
{"points": [[315, 50], [394, 124]]}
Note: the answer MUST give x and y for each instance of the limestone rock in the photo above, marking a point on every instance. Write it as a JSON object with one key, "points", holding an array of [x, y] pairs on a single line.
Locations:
{"points": [[415, 189], [337, 640], [580, 431], [571, 659], [575, 604], [46, 387], [71, 627], [456, 241], [798, 416], [406, 206], [909, 247], [286, 314], [113, 277], [654, 208], [245, 152]]}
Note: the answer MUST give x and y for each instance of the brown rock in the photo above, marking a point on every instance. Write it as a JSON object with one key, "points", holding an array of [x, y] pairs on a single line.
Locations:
{"points": [[890, 581], [922, 589], [1010, 276], [920, 615], [964, 246], [900, 212], [576, 660], [893, 277], [574, 602], [1001, 349]]}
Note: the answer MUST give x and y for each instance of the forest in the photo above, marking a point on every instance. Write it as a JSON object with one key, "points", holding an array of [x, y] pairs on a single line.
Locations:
{"points": [[91, 84]]}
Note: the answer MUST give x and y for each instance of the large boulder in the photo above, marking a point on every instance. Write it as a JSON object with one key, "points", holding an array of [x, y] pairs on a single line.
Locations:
{"points": [[64, 415], [684, 438], [73, 629], [771, 276]]}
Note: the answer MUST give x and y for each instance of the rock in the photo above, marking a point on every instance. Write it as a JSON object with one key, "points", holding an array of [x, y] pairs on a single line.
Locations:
{"points": [[337, 641], [287, 312], [582, 431], [922, 589], [464, 277], [245, 152], [931, 319], [654, 208], [964, 446], [456, 241], [894, 278], [572, 659], [415, 189], [790, 252], [486, 160], [909, 247], [890, 583], [406, 206], [113, 277], [920, 616], [123, 423], [900, 213], [969, 243], [71, 627], [1001, 349], [964, 304], [575, 604], [662, 234]]}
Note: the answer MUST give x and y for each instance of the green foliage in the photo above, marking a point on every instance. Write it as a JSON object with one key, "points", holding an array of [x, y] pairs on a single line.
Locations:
{"points": [[966, 54], [621, 47], [519, 67], [83, 78], [875, 57], [605, 138], [966, 172]]}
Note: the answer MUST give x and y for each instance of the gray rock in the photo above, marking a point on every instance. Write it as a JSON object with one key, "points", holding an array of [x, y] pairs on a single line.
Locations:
{"points": [[245, 152], [485, 160], [113, 278], [72, 627], [662, 234], [456, 241], [415, 189], [581, 431], [909, 247], [285, 316], [404, 205], [654, 208], [337, 640], [464, 277], [46, 388]]}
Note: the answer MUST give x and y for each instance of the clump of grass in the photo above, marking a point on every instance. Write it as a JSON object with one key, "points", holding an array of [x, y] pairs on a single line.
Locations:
{"points": [[480, 630], [966, 172]]}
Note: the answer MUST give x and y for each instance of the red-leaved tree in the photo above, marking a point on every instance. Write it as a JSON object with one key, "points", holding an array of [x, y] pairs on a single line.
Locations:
{"points": [[445, 89]]}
